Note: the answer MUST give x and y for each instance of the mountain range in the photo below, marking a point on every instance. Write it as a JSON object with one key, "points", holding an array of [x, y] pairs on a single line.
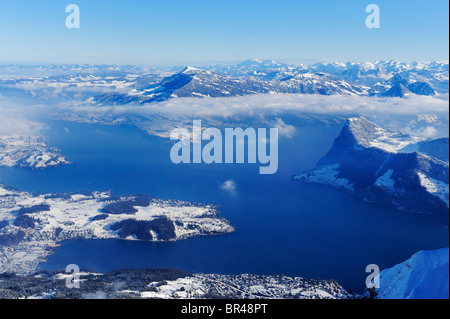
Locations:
{"points": [[256, 76], [116, 85]]}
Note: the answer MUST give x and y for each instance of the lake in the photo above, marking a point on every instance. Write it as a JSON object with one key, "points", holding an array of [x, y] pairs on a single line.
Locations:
{"points": [[282, 226]]}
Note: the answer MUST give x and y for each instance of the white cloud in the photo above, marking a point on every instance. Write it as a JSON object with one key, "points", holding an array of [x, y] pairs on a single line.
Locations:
{"points": [[13, 125], [269, 109], [283, 128], [229, 186], [262, 104], [18, 118], [427, 132]]}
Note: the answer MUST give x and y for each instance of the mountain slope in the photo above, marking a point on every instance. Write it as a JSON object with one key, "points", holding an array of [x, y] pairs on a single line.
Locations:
{"points": [[423, 276]]}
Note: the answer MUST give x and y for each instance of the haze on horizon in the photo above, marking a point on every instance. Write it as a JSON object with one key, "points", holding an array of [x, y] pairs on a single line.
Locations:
{"points": [[202, 32]]}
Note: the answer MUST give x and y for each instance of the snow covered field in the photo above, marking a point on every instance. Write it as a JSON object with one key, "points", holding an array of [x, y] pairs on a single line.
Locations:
{"points": [[246, 286]]}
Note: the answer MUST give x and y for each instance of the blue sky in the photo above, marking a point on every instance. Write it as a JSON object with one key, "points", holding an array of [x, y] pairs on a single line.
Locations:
{"points": [[208, 31]]}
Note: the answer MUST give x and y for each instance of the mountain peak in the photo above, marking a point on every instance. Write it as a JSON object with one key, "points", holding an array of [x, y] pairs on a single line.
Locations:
{"points": [[397, 78], [260, 63], [372, 163], [362, 130], [190, 70], [369, 134]]}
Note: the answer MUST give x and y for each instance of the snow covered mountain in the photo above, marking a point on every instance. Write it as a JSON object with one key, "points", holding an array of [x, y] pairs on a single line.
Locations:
{"points": [[73, 82], [193, 82], [374, 74], [363, 73], [386, 79], [190, 82], [262, 69], [118, 85], [321, 83], [400, 87], [387, 168], [434, 73], [423, 276]]}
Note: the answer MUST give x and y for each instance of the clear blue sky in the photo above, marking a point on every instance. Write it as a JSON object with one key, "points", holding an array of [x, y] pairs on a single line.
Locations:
{"points": [[170, 31]]}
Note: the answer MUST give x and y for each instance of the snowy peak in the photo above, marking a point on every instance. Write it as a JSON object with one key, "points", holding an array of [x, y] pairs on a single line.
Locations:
{"points": [[190, 70], [259, 64], [250, 63], [331, 67], [368, 134], [398, 79], [266, 70]]}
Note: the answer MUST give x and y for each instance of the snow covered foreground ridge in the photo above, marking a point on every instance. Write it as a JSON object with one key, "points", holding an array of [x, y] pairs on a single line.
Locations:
{"points": [[32, 225], [424, 276], [388, 168], [168, 284]]}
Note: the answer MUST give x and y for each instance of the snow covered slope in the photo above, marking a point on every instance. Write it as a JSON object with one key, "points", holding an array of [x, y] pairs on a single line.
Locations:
{"points": [[423, 276]]}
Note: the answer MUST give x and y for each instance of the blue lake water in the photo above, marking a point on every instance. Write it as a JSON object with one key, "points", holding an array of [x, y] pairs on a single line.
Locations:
{"points": [[282, 227]]}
